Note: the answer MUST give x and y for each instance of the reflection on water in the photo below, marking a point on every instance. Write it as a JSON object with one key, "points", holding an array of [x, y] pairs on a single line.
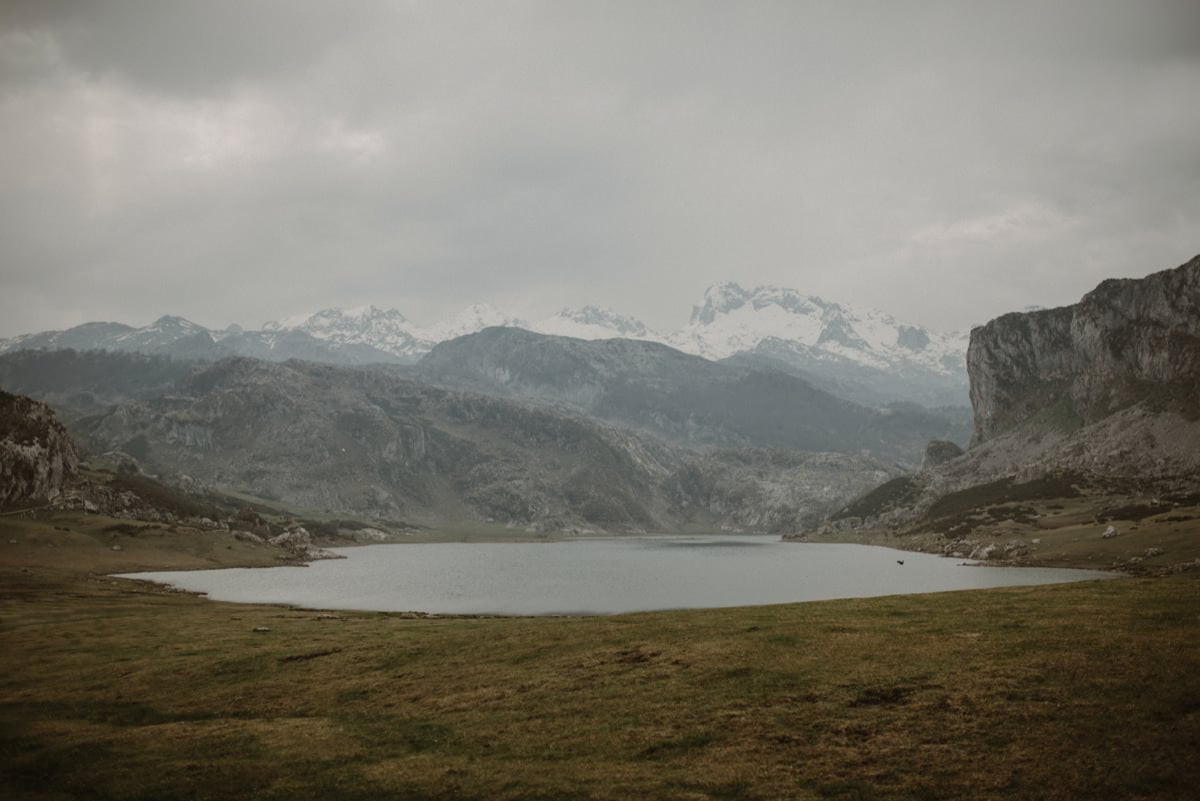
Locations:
{"points": [[600, 576]]}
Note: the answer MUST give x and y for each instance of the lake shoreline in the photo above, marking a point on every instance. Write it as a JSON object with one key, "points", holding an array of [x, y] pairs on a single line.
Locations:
{"points": [[600, 576], [120, 689]]}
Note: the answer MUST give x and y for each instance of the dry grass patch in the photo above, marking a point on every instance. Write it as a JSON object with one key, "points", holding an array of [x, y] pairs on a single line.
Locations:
{"points": [[115, 690]]}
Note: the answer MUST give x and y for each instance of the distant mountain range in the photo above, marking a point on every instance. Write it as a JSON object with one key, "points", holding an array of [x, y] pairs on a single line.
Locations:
{"points": [[687, 399], [862, 355]]}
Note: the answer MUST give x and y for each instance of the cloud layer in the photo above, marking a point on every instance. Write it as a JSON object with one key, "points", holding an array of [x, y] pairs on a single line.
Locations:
{"points": [[236, 162]]}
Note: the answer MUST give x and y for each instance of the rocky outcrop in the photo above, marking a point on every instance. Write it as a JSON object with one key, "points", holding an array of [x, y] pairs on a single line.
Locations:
{"points": [[940, 451], [36, 454], [1128, 341], [1105, 393]]}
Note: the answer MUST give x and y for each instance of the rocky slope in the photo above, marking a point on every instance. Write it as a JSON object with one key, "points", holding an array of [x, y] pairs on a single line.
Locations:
{"points": [[365, 442], [37, 455], [1100, 398]]}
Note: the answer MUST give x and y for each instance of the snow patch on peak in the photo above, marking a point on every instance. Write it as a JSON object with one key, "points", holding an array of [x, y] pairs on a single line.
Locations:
{"points": [[470, 320], [360, 312], [288, 323], [594, 322], [334, 317], [385, 329], [727, 298], [732, 319]]}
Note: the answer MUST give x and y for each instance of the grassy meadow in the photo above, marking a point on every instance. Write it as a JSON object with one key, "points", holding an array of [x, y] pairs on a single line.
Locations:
{"points": [[112, 689]]}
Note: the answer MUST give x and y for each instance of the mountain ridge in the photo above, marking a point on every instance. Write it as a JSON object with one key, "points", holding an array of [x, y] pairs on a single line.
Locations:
{"points": [[865, 355], [655, 387], [363, 441]]}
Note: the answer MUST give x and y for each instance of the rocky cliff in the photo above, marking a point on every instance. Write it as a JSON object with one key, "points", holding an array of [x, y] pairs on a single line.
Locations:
{"points": [[1128, 341], [1100, 398], [36, 453]]}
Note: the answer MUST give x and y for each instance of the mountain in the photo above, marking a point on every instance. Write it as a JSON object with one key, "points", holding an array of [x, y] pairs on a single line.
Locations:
{"points": [[689, 399], [1098, 399], [1126, 342], [364, 441], [385, 330], [280, 346], [79, 383], [159, 336], [168, 335], [471, 319], [593, 322], [388, 330], [81, 337], [863, 355], [182, 339]]}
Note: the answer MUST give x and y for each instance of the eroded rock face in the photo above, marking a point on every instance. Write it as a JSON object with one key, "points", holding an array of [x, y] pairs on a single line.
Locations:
{"points": [[36, 453], [1127, 341]]}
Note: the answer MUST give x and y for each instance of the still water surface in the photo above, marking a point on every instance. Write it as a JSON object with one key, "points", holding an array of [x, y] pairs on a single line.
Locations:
{"points": [[600, 576]]}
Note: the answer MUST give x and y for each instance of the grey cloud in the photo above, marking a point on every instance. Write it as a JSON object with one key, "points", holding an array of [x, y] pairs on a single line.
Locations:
{"points": [[192, 47], [240, 161]]}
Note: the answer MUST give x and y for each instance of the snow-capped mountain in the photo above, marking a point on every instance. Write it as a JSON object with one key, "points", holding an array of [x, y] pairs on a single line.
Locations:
{"points": [[182, 339], [468, 321], [733, 320], [384, 329], [161, 335], [861, 354], [81, 337], [593, 322], [390, 331]]}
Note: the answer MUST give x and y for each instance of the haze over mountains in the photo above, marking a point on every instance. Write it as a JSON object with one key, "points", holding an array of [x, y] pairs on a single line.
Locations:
{"points": [[585, 420], [862, 355]]}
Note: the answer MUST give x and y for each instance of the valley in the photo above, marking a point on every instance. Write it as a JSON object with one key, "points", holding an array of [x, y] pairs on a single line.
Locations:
{"points": [[578, 401], [1080, 457]]}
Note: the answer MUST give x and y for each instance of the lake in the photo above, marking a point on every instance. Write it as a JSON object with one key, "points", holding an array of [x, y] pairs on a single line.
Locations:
{"points": [[600, 576]]}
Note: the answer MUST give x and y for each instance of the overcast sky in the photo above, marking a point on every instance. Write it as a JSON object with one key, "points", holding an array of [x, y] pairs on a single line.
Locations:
{"points": [[241, 161]]}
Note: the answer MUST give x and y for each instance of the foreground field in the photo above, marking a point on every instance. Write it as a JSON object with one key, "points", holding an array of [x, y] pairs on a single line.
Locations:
{"points": [[112, 690]]}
